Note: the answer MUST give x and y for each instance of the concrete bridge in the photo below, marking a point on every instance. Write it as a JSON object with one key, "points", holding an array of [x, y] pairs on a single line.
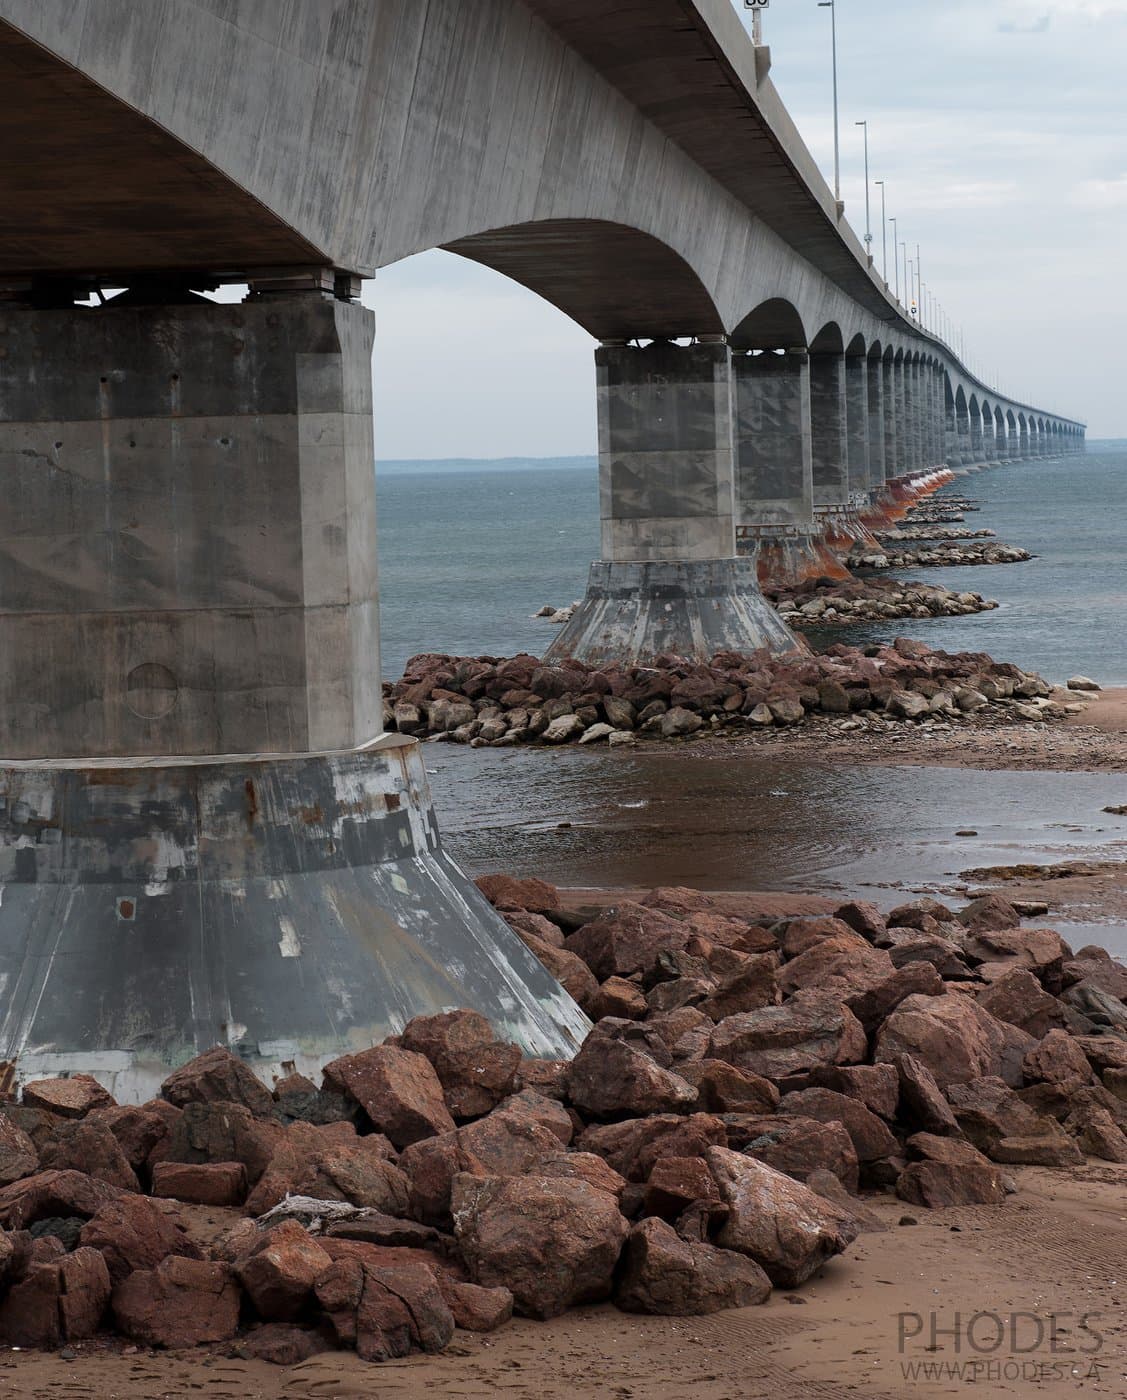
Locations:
{"points": [[204, 834]]}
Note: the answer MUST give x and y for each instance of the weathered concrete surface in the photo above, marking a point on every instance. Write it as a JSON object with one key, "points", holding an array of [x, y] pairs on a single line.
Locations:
{"points": [[290, 908], [188, 545], [634, 612]]}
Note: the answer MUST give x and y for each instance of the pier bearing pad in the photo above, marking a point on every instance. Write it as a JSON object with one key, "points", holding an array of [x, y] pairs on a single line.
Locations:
{"points": [[292, 908]]}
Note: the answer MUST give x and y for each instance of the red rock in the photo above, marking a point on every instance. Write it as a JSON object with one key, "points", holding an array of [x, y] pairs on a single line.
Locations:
{"points": [[804, 934], [954, 1037], [846, 963], [85, 1292], [999, 1124], [617, 997], [547, 1078], [553, 1243], [397, 1089], [507, 1143], [722, 1088], [922, 914], [280, 1271], [217, 1076], [401, 1308], [875, 1005], [431, 1166], [584, 1166], [180, 1303], [475, 1069], [610, 1078], [281, 1344], [870, 1137], [921, 1099], [785, 1227], [201, 1183], [796, 1145], [665, 1275], [505, 892], [989, 912], [812, 1028], [1017, 997], [754, 984], [89, 1147], [222, 1132], [329, 1162], [18, 1157], [632, 1147], [338, 1291], [537, 1108], [959, 1176], [537, 926], [29, 1315], [67, 1098], [1097, 1133], [475, 1309], [1103, 972], [140, 1129], [1040, 951], [131, 1233], [627, 938], [862, 918], [65, 1193], [675, 1183], [876, 1086]]}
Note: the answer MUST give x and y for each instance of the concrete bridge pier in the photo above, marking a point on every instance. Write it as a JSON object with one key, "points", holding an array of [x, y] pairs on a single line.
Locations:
{"points": [[989, 443], [204, 834], [829, 426], [670, 580], [977, 446]]}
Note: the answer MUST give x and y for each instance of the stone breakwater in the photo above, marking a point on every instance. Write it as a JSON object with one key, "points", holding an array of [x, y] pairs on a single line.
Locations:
{"points": [[932, 532], [485, 701], [939, 556], [745, 1085], [825, 603]]}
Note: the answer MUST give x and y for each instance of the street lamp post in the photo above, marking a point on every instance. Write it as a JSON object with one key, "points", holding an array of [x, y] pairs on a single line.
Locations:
{"points": [[832, 7], [883, 234], [868, 220], [907, 284], [895, 256]]}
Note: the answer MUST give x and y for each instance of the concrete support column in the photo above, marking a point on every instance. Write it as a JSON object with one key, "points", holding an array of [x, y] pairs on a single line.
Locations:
{"points": [[1002, 440], [829, 433], [203, 838], [914, 456], [891, 420], [952, 455], [977, 450], [669, 580], [857, 426], [876, 424], [1025, 443], [938, 411], [989, 446], [934, 420], [962, 430], [903, 428]]}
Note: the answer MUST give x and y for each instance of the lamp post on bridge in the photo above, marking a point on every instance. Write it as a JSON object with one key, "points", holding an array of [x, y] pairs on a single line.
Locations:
{"points": [[895, 256], [868, 220], [883, 234], [832, 7]]}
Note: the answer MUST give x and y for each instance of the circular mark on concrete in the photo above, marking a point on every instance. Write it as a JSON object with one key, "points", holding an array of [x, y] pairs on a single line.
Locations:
{"points": [[151, 690]]}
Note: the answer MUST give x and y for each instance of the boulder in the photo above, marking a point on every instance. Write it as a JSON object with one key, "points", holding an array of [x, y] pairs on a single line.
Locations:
{"points": [[1018, 998], [906, 945], [538, 1108], [588, 1167], [547, 1078], [61, 1298], [331, 1163], [632, 1147], [803, 934], [786, 1228], [869, 1135], [1057, 1059], [991, 911], [506, 892], [999, 1124], [1098, 1007], [398, 1090], [473, 1308], [508, 1142], [667, 1276], [475, 1069], [18, 1157], [54, 1193], [142, 1130], [752, 984], [619, 998], [1097, 1133], [1107, 974], [875, 1005], [278, 1274], [674, 1184], [553, 1243], [1040, 951], [218, 1076], [131, 1233], [610, 1078], [922, 1103], [813, 1028], [90, 1147], [948, 1173], [796, 1145], [626, 939], [722, 1088], [876, 1086], [847, 963], [863, 918], [954, 1037], [180, 1303], [222, 1132], [522, 922], [430, 1167], [73, 1097], [401, 1308], [282, 1344], [201, 1183]]}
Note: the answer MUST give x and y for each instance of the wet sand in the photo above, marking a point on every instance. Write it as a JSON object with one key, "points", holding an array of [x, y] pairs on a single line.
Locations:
{"points": [[1059, 1246]]}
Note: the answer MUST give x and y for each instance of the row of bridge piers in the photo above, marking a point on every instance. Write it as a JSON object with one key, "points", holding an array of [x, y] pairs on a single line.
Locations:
{"points": [[204, 834], [722, 469]]}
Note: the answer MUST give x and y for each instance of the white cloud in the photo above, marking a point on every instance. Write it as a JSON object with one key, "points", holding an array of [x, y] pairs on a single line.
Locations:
{"points": [[1102, 194]]}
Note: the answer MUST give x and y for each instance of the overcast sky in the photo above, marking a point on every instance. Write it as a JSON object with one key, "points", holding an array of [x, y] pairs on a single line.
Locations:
{"points": [[999, 126]]}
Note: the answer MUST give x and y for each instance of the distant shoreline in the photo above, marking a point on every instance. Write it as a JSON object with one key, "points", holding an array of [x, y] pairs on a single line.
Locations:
{"points": [[406, 466]]}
